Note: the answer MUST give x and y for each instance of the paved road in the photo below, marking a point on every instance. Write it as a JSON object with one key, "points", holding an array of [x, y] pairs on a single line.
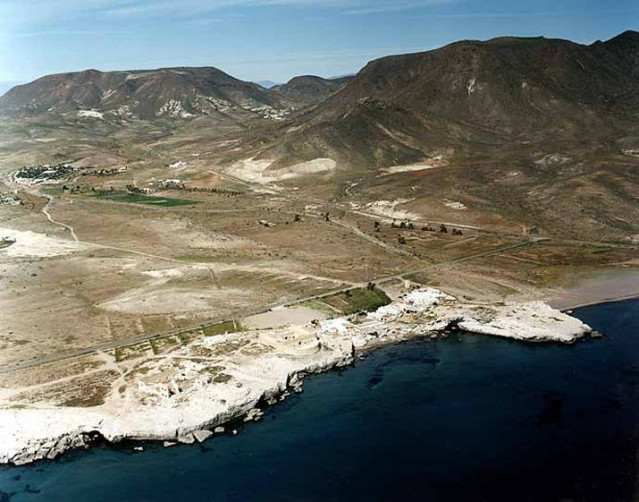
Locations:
{"points": [[110, 345]]}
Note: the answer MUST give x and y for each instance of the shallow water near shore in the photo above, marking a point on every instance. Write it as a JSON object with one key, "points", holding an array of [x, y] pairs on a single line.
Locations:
{"points": [[466, 418]]}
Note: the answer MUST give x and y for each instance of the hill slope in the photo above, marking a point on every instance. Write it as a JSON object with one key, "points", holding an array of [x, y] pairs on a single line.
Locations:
{"points": [[167, 92], [308, 90], [502, 90]]}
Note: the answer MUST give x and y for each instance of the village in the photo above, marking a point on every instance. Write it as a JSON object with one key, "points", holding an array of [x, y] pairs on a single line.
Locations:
{"points": [[43, 172]]}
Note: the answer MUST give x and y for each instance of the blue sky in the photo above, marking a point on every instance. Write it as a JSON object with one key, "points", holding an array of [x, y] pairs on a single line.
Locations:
{"points": [[275, 39]]}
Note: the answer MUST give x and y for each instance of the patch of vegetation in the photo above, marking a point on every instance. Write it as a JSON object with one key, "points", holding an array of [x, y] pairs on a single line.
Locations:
{"points": [[187, 337], [422, 278], [95, 310], [5, 243], [601, 250], [320, 307], [222, 328], [165, 344], [132, 351], [91, 396], [222, 378], [52, 190], [136, 198], [358, 300], [138, 372], [201, 258]]}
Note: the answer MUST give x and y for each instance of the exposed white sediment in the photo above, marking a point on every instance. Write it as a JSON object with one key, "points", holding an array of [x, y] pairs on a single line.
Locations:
{"points": [[532, 322], [28, 244], [197, 388]]}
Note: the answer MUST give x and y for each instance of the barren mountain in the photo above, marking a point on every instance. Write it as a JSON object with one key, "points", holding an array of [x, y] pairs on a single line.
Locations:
{"points": [[168, 92], [309, 90], [504, 90], [522, 132], [505, 134]]}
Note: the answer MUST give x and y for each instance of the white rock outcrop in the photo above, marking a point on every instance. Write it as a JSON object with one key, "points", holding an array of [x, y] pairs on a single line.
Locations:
{"points": [[199, 387], [531, 322]]}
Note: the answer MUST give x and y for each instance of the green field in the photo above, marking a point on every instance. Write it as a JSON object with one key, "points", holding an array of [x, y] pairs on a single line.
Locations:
{"points": [[358, 300], [135, 198], [222, 328], [321, 306]]}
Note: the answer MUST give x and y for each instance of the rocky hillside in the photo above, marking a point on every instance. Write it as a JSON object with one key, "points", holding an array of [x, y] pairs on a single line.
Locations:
{"points": [[169, 92], [309, 90], [508, 89]]}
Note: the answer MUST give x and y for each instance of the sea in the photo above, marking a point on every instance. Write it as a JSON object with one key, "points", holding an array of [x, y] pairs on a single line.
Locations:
{"points": [[467, 418]]}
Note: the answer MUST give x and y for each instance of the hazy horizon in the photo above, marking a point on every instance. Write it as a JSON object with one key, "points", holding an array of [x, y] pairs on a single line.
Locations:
{"points": [[273, 39]]}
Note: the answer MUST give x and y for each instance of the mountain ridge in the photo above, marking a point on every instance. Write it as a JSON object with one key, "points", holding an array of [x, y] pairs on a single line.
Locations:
{"points": [[306, 90], [176, 92], [505, 89]]}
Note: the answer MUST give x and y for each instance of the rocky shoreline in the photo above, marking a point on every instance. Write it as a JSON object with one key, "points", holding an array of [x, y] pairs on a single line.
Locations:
{"points": [[189, 395]]}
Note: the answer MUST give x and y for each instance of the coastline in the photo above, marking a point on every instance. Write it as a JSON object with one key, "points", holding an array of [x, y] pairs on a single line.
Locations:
{"points": [[190, 395], [602, 301], [427, 388], [601, 286]]}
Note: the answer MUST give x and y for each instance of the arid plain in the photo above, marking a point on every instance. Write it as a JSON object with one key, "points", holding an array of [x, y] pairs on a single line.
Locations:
{"points": [[95, 264], [130, 243]]}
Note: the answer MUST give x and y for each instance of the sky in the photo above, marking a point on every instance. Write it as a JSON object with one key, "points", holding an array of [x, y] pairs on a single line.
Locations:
{"points": [[275, 39]]}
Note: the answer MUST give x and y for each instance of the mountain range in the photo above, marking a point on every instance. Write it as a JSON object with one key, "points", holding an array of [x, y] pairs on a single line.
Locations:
{"points": [[503, 88], [178, 93], [308, 90], [534, 130], [169, 92], [508, 89]]}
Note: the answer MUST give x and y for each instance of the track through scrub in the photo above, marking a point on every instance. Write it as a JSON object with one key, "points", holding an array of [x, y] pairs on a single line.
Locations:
{"points": [[111, 345]]}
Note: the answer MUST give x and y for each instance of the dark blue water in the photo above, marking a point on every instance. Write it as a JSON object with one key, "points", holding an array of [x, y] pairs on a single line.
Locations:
{"points": [[467, 418]]}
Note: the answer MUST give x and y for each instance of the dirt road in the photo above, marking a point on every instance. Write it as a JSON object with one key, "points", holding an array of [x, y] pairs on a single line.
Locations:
{"points": [[257, 310]]}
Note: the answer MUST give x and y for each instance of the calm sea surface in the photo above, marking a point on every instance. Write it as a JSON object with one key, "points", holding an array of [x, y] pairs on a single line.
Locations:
{"points": [[469, 418]]}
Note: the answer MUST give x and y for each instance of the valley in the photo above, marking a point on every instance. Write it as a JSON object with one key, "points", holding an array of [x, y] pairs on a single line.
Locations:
{"points": [[158, 226]]}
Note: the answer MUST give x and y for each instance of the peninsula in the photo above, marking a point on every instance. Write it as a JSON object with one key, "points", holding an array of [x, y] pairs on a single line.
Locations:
{"points": [[186, 394]]}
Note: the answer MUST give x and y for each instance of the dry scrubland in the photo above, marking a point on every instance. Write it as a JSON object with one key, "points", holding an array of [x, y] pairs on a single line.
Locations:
{"points": [[150, 273], [181, 247]]}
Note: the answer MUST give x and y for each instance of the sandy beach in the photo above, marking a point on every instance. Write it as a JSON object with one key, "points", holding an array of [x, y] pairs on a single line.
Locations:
{"points": [[601, 286]]}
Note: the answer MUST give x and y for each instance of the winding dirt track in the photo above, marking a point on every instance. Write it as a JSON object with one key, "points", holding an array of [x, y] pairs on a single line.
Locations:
{"points": [[45, 211]]}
